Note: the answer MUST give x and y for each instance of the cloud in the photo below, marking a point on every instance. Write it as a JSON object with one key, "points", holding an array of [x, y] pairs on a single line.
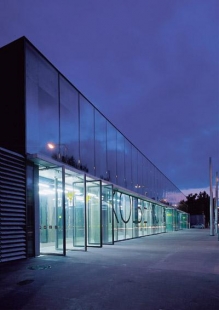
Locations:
{"points": [[193, 191]]}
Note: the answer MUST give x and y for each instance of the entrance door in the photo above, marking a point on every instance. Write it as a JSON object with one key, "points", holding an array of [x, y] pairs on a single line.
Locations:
{"points": [[107, 214], [51, 210], [94, 219], [75, 211]]}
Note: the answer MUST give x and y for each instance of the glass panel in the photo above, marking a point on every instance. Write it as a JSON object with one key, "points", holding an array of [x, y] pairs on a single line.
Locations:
{"points": [[123, 214], [111, 153], [116, 223], [169, 219], [140, 186], [120, 163], [69, 122], [120, 211], [51, 210], [174, 219], [145, 218], [159, 216], [93, 201], [164, 219], [32, 110], [107, 214], [137, 216], [100, 146], [145, 176], [184, 217], [150, 219], [154, 218], [75, 210], [42, 105], [86, 136], [151, 181], [128, 164], [141, 222], [134, 168], [128, 216]]}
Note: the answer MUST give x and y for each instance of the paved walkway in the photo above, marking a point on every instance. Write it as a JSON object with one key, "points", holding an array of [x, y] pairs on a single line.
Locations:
{"points": [[172, 271]]}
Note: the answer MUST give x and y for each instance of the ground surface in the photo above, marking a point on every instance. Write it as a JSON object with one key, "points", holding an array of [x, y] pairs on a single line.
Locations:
{"points": [[172, 271]]}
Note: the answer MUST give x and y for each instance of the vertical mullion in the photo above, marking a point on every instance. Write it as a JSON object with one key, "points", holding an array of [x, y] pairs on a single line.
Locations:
{"points": [[63, 211]]}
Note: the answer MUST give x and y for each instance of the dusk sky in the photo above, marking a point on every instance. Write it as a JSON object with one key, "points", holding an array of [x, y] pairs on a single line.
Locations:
{"points": [[150, 66]]}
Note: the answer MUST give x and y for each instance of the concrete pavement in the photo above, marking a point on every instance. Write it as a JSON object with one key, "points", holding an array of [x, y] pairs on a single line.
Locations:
{"points": [[171, 271]]}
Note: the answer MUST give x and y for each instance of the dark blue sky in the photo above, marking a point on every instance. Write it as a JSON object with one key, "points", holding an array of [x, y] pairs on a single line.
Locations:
{"points": [[151, 67]]}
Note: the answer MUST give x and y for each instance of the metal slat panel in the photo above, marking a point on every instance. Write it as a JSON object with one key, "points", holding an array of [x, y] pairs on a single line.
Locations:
{"points": [[13, 254], [12, 206]]}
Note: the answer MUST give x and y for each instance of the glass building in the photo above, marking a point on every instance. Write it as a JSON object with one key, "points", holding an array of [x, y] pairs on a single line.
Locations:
{"points": [[69, 179]]}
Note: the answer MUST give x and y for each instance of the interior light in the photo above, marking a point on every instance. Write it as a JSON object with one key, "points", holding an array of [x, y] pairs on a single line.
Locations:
{"points": [[91, 195], [43, 185], [80, 198], [46, 192]]}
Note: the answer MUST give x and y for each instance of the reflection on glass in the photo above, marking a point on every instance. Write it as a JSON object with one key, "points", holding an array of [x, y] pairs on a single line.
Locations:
{"points": [[69, 120], [87, 135], [94, 144], [42, 106], [100, 147], [128, 165], [120, 158], [111, 153]]}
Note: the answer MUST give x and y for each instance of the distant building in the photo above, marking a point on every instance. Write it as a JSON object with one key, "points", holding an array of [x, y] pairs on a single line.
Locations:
{"points": [[91, 187]]}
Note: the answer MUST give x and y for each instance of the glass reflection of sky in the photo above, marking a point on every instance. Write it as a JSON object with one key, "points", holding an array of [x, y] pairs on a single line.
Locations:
{"points": [[57, 112]]}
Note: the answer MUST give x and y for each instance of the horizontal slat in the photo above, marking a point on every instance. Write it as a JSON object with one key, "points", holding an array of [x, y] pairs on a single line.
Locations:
{"points": [[8, 164], [12, 258], [15, 186], [15, 249], [12, 213], [12, 254], [12, 210], [11, 228], [19, 248], [10, 232], [6, 241], [13, 168], [11, 201], [17, 244], [6, 192], [10, 179]]}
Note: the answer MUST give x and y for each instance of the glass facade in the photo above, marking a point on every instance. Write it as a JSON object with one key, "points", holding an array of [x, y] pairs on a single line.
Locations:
{"points": [[99, 188], [83, 136], [176, 219]]}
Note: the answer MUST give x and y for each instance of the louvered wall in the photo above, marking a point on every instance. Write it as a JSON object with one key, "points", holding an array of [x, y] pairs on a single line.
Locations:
{"points": [[12, 206]]}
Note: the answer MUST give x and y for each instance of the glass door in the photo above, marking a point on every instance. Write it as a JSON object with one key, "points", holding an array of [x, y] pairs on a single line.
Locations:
{"points": [[93, 206], [75, 211], [107, 214], [51, 210]]}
